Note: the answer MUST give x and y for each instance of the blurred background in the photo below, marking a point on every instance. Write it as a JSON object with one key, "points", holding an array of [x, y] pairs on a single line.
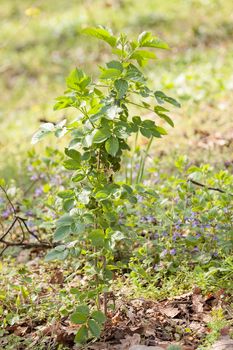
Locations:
{"points": [[40, 42]]}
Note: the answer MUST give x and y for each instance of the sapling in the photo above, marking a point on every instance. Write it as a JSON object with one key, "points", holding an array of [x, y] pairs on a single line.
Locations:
{"points": [[100, 133]]}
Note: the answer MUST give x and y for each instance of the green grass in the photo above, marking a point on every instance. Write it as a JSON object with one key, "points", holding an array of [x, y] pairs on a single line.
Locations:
{"points": [[39, 50]]}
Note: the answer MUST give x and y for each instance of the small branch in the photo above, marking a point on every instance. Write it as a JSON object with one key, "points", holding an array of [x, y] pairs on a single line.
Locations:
{"points": [[29, 245], [208, 188], [27, 228], [8, 198], [9, 229]]}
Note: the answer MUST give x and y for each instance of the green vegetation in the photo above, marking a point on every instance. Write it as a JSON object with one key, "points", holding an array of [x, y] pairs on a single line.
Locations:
{"points": [[116, 217]]}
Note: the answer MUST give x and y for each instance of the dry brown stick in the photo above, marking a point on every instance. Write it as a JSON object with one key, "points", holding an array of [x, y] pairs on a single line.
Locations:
{"points": [[30, 245], [8, 198], [9, 229], [207, 187]]}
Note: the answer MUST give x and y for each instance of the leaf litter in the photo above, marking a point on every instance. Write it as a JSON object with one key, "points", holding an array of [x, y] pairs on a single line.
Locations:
{"points": [[179, 320]]}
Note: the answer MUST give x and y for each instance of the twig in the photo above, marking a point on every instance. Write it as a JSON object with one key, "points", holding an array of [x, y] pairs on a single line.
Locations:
{"points": [[8, 198], [207, 187], [9, 229], [29, 245]]}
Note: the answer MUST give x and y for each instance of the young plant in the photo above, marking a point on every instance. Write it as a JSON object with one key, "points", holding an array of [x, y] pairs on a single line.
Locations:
{"points": [[99, 136]]}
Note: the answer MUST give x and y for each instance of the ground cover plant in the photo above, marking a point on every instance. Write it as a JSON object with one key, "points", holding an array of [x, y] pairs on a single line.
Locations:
{"points": [[163, 274]]}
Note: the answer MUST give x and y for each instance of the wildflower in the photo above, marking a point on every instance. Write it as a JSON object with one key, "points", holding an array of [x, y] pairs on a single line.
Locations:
{"points": [[173, 251], [195, 249], [163, 253], [38, 192], [195, 223], [34, 177], [30, 168], [175, 236], [6, 213]]}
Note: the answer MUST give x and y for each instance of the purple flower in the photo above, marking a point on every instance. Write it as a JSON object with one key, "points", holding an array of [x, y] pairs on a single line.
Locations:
{"points": [[175, 235], [29, 213], [30, 168], [195, 249], [164, 234], [207, 226], [195, 223], [163, 253], [34, 177], [56, 180], [173, 251], [6, 213], [156, 236], [38, 192], [30, 223], [215, 238]]}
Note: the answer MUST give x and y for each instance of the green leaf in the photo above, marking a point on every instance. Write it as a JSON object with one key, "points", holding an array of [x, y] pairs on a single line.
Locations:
{"points": [[161, 98], [78, 176], [78, 318], [112, 146], [110, 73], [84, 196], [44, 130], [167, 119], [141, 54], [62, 232], [72, 153], [137, 120], [68, 204], [161, 130], [112, 112], [160, 111], [71, 164], [98, 316], [155, 132], [103, 194], [121, 86], [134, 74], [97, 237], [115, 65], [146, 132], [94, 328], [146, 39], [63, 102], [83, 309], [102, 34], [77, 80], [66, 194], [101, 135], [148, 123], [65, 220], [82, 335], [58, 253]]}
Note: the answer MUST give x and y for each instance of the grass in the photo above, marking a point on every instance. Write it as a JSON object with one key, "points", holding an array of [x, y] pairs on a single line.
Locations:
{"points": [[41, 43]]}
